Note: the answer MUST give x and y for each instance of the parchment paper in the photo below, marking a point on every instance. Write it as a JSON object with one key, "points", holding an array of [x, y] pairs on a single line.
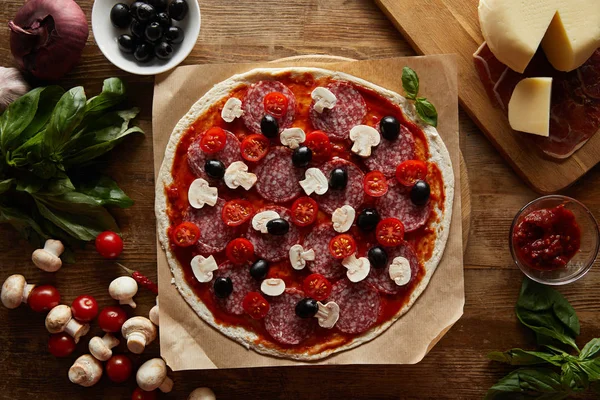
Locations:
{"points": [[187, 342]]}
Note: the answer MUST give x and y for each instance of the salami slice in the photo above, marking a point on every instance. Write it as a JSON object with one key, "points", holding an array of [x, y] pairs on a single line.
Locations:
{"points": [[396, 203], [197, 157], [324, 263], [352, 195], [214, 234], [389, 154], [380, 277], [254, 108], [243, 283], [277, 178], [283, 324], [349, 110], [271, 247], [359, 305]]}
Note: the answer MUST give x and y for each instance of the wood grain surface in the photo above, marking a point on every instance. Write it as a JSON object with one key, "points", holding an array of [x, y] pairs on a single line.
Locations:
{"points": [[452, 26], [247, 30]]}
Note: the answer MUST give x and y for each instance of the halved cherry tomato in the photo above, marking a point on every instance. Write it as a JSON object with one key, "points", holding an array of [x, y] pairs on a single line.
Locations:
{"points": [[320, 145], [236, 212], [390, 232], [342, 246], [276, 104], [410, 171], [185, 234], [213, 140], [375, 184], [255, 305], [304, 211], [239, 251], [317, 287], [254, 147]]}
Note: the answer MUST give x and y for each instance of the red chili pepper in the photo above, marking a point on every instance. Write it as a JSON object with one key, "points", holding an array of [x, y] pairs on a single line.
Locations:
{"points": [[141, 279]]}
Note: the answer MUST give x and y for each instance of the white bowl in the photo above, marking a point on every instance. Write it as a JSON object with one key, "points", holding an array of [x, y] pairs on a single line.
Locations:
{"points": [[106, 36]]}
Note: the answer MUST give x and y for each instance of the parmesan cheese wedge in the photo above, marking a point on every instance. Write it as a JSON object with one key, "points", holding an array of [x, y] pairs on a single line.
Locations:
{"points": [[529, 106]]}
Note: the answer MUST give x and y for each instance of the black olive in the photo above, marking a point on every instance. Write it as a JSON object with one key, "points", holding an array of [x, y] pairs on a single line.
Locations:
{"points": [[119, 15], [159, 5], [145, 12], [302, 156], [338, 179], [307, 308], [174, 35], [419, 194], [389, 127], [153, 31], [278, 226], [178, 9], [133, 8], [259, 269], [144, 52], [269, 126], [214, 169], [163, 19], [126, 43], [377, 257], [368, 219], [137, 29], [223, 287], [163, 50]]}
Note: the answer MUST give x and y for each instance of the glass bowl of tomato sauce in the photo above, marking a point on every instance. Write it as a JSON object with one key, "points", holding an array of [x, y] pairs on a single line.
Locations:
{"points": [[554, 240]]}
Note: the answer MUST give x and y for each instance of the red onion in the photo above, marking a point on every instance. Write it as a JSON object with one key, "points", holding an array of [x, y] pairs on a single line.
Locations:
{"points": [[48, 37]]}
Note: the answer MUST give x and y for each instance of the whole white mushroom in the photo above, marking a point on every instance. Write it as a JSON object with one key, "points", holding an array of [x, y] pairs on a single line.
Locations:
{"points": [[202, 393]]}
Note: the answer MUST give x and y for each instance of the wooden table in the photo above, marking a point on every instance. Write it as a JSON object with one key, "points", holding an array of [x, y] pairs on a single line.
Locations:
{"points": [[455, 368]]}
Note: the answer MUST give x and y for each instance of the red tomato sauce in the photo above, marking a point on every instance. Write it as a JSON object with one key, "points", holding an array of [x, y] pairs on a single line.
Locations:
{"points": [[423, 240]]}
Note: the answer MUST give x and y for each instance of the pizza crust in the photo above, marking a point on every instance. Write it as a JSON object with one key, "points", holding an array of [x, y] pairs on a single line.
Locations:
{"points": [[438, 154]]}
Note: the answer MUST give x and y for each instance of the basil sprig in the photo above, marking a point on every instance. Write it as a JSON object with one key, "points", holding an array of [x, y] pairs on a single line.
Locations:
{"points": [[425, 110], [551, 372]]}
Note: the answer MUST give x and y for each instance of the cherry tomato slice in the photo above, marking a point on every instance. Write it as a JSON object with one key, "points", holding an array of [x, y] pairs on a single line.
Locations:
{"points": [[119, 368], [254, 147], [317, 287], [185, 234], [375, 184], [410, 171], [255, 305], [109, 245], [111, 319], [319, 143], [213, 140], [139, 394], [239, 251], [236, 212], [342, 246], [43, 298], [390, 232], [304, 211], [84, 308], [61, 345], [276, 104]]}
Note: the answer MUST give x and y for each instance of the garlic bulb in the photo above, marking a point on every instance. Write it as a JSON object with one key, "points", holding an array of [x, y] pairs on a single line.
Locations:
{"points": [[12, 86]]}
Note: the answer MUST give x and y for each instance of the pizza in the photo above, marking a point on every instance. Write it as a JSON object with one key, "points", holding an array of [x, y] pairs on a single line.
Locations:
{"points": [[303, 211]]}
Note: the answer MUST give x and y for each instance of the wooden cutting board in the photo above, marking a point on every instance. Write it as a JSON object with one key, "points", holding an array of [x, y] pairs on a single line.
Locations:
{"points": [[452, 26]]}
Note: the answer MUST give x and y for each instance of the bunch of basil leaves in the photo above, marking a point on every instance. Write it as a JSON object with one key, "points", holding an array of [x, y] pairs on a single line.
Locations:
{"points": [[49, 183], [551, 372]]}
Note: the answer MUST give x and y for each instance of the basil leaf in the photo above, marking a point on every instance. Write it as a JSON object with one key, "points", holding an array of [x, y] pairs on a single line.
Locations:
{"points": [[24, 224], [59, 185], [105, 191], [591, 368], [48, 100], [524, 357], [410, 83], [5, 185], [528, 383], [113, 93], [590, 350], [573, 377], [426, 111], [67, 114], [29, 183]]}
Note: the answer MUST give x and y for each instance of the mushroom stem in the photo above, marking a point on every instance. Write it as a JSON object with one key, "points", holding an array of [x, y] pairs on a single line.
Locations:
{"points": [[76, 330], [128, 302], [154, 314], [101, 348], [166, 386], [26, 292], [136, 342]]}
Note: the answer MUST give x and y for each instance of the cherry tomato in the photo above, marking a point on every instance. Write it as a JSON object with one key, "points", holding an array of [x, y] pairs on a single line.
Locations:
{"points": [[342, 246], [139, 394], [319, 143], [61, 344], [375, 184], [317, 287], [254, 147], [239, 251], [119, 368], [213, 140], [304, 211], [276, 104], [109, 245], [84, 308], [255, 305], [410, 171], [112, 318], [186, 234], [390, 232], [236, 212], [43, 298]]}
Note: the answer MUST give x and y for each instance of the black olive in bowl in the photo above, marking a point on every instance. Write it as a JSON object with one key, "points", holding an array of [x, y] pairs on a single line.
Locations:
{"points": [[178, 9], [174, 35], [119, 15], [163, 50]]}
